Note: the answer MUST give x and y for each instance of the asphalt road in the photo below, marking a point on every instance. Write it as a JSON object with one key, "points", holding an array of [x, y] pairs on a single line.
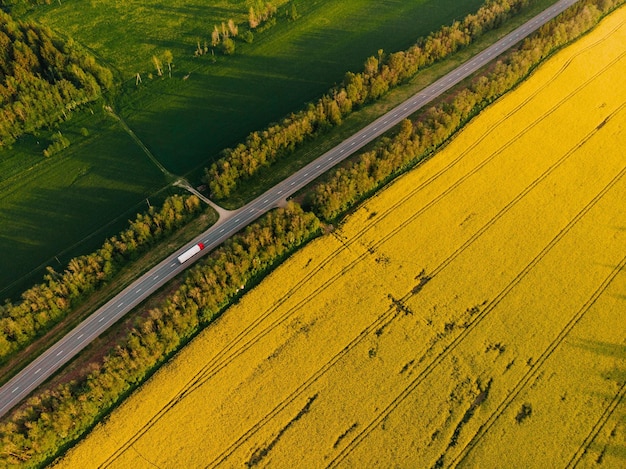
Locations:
{"points": [[63, 351]]}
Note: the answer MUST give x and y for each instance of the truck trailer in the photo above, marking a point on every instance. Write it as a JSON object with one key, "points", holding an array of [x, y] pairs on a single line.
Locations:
{"points": [[189, 253]]}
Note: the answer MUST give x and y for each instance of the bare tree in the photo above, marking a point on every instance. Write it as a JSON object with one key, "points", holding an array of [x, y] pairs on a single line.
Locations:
{"points": [[158, 65], [270, 10], [215, 36], [169, 59], [253, 19]]}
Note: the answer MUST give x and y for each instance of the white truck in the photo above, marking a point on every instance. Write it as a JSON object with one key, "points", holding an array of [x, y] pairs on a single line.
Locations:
{"points": [[189, 253]]}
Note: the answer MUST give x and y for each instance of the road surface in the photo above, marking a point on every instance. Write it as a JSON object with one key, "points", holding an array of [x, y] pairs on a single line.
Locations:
{"points": [[64, 350]]}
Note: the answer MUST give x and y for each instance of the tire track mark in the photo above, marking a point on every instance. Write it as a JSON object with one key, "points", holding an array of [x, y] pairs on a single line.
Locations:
{"points": [[345, 452], [215, 365], [606, 415], [381, 319], [532, 372]]}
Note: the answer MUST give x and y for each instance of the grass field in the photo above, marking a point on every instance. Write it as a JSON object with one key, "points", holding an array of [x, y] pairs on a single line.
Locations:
{"points": [[186, 123], [57, 206], [66, 205], [268, 177], [471, 314]]}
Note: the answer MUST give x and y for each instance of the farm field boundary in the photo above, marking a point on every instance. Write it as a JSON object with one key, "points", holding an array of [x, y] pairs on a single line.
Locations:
{"points": [[249, 336]]}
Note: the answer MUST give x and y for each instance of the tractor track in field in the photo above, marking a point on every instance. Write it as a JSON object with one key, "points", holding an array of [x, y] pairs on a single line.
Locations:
{"points": [[345, 452], [599, 425], [390, 313], [240, 343], [533, 370]]}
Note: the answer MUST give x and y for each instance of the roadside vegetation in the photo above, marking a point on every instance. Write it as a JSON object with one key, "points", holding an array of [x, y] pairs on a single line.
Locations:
{"points": [[126, 275], [267, 176], [381, 73], [45, 304], [71, 409], [468, 315], [47, 422], [417, 140]]}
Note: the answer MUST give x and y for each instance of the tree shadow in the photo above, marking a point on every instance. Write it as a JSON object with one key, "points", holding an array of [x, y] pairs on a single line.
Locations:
{"points": [[221, 103], [188, 123], [601, 348]]}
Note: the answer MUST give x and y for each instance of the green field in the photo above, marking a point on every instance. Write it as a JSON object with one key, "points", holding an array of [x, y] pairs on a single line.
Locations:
{"points": [[67, 204], [186, 123], [58, 206]]}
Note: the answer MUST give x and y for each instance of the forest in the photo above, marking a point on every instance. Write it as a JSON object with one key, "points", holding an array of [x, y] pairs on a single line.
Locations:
{"points": [[42, 78], [380, 74]]}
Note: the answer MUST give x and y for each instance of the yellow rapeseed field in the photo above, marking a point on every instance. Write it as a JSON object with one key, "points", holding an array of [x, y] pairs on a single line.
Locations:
{"points": [[471, 314]]}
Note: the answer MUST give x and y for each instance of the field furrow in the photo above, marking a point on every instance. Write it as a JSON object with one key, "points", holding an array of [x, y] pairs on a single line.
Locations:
{"points": [[502, 355]]}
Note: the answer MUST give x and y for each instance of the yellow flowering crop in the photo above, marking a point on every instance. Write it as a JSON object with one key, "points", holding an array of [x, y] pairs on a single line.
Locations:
{"points": [[470, 314]]}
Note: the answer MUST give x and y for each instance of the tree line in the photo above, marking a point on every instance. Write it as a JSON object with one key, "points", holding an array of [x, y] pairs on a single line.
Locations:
{"points": [[416, 140], [51, 419], [42, 78], [381, 73], [45, 304], [260, 12]]}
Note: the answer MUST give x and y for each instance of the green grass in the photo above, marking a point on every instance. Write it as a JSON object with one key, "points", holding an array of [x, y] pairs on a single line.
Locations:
{"points": [[186, 123], [67, 204], [270, 176]]}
